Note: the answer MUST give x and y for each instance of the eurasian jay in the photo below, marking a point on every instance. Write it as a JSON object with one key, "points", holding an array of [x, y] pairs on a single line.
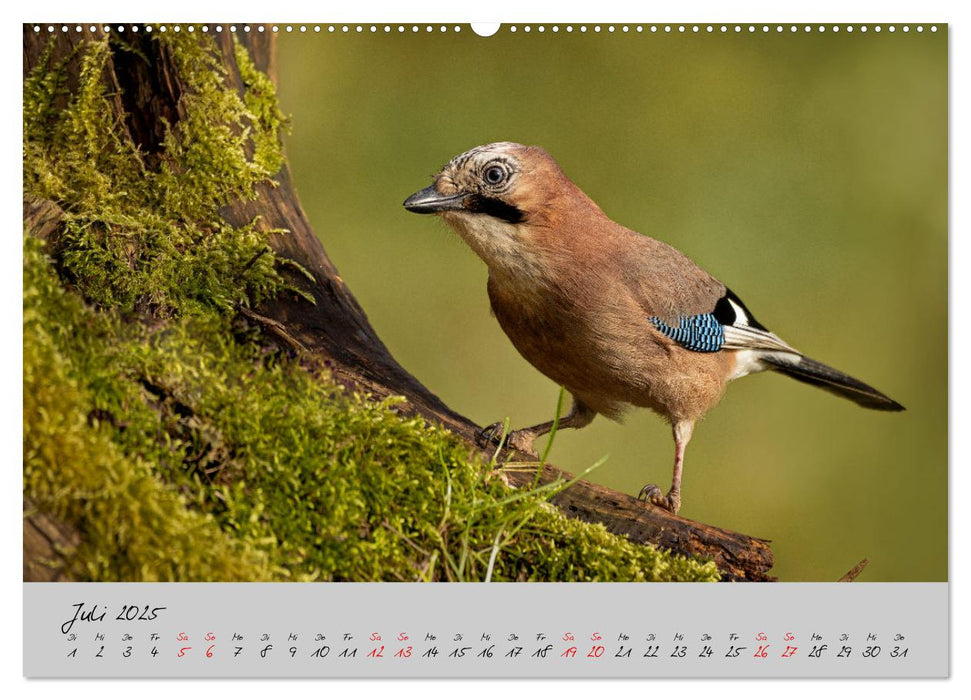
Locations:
{"points": [[615, 317]]}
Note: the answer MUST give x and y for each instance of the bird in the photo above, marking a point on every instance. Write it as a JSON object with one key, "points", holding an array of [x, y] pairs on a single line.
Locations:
{"points": [[618, 319]]}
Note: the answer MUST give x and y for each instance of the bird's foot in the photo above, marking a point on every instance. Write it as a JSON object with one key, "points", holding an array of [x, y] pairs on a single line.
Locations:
{"points": [[492, 435], [671, 502], [520, 440]]}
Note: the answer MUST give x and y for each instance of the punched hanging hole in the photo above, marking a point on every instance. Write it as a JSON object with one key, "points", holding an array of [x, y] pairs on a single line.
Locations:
{"points": [[485, 28]]}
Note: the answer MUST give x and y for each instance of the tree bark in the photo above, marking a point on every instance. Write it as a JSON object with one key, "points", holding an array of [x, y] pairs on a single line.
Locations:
{"points": [[335, 330]]}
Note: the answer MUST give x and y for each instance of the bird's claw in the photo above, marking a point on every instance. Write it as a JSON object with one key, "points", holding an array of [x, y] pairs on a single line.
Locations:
{"points": [[651, 493], [492, 435], [520, 440]]}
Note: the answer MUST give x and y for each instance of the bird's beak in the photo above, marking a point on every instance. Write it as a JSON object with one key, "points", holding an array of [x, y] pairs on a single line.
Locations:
{"points": [[429, 201]]}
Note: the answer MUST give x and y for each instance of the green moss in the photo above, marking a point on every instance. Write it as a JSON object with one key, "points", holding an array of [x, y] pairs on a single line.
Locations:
{"points": [[134, 525], [264, 110], [183, 453], [181, 448], [139, 237], [209, 160]]}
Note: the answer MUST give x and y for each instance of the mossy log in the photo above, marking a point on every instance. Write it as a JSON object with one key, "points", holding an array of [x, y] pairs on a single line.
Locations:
{"points": [[333, 329]]}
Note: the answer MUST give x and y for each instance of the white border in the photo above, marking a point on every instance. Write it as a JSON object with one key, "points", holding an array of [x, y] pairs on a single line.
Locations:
{"points": [[603, 11]]}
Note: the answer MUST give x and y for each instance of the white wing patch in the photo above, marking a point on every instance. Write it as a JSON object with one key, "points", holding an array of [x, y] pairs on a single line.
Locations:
{"points": [[741, 318], [752, 342]]}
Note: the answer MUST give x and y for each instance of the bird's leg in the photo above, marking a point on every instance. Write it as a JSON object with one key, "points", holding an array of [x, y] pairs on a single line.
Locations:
{"points": [[672, 501], [523, 439]]}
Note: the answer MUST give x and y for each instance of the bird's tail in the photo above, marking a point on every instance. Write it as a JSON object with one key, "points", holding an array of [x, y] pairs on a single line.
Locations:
{"points": [[816, 373]]}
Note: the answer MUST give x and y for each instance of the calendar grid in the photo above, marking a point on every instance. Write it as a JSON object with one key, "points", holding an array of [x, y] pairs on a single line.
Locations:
{"points": [[475, 630]]}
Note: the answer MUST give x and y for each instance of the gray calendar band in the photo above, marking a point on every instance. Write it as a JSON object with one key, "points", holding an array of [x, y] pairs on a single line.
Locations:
{"points": [[231, 630]]}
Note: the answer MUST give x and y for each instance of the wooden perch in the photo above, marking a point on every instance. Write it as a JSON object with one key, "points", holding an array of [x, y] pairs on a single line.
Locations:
{"points": [[851, 575], [335, 329]]}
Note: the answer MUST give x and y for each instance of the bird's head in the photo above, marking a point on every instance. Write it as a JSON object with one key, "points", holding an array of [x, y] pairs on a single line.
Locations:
{"points": [[500, 198]]}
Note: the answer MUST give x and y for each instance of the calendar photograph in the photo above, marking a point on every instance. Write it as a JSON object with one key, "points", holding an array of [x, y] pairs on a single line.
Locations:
{"points": [[536, 303]]}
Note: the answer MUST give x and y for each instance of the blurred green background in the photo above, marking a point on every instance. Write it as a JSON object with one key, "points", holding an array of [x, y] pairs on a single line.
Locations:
{"points": [[806, 171]]}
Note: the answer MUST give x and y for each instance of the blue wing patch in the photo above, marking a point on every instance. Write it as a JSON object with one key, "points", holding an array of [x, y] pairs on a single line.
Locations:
{"points": [[701, 333]]}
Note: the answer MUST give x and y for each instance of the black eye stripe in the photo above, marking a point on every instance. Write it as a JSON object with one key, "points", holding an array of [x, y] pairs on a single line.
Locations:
{"points": [[480, 204]]}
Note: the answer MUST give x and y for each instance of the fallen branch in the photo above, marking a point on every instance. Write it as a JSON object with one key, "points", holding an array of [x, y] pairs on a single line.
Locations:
{"points": [[851, 575]]}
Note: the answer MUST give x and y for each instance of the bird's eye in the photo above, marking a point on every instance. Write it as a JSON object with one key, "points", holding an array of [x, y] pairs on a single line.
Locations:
{"points": [[495, 174]]}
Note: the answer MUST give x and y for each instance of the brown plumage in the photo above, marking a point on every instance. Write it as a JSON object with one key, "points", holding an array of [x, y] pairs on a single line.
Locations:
{"points": [[592, 304]]}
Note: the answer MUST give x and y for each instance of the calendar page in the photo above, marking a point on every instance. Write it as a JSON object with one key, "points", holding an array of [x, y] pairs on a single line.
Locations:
{"points": [[513, 350]]}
